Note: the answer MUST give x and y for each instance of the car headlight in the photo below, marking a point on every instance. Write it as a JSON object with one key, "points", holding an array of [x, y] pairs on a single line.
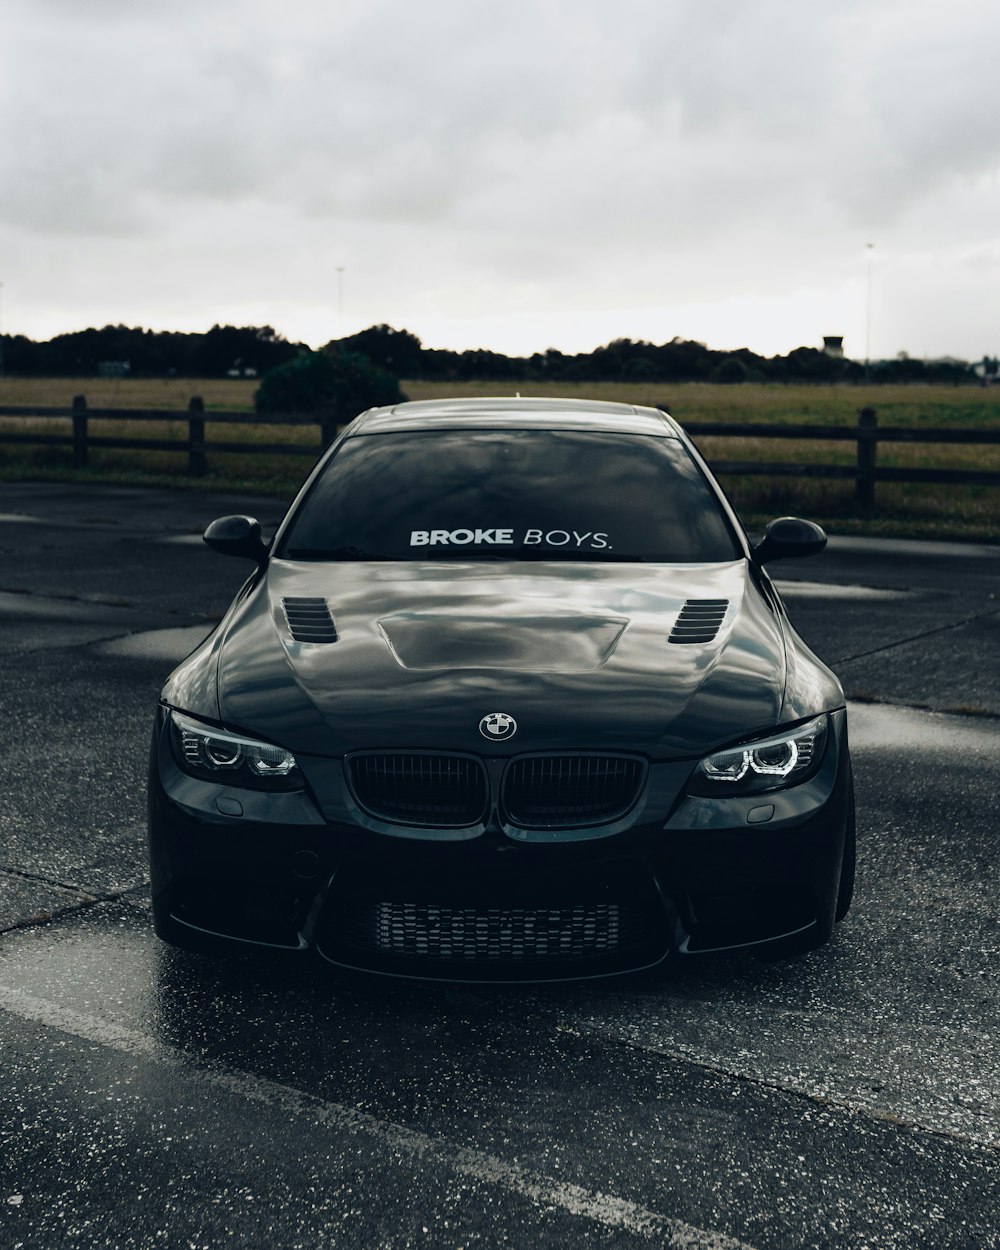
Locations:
{"points": [[231, 759], [773, 763]]}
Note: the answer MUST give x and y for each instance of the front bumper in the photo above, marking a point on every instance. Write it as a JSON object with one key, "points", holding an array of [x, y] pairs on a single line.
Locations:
{"points": [[687, 876]]}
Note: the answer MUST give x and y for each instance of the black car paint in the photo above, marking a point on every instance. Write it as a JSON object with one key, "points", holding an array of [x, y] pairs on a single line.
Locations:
{"points": [[579, 652], [659, 699]]}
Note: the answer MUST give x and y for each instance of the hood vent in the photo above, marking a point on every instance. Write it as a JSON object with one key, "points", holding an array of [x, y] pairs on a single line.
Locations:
{"points": [[699, 620], [309, 619]]}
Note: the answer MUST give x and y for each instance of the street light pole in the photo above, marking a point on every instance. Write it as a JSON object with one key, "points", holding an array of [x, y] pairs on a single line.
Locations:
{"points": [[340, 301], [868, 314]]}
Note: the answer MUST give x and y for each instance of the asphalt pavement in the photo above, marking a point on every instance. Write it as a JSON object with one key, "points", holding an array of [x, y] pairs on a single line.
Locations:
{"points": [[843, 1100]]}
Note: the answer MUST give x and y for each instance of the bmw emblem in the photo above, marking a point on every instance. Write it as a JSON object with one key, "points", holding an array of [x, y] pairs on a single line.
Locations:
{"points": [[498, 726]]}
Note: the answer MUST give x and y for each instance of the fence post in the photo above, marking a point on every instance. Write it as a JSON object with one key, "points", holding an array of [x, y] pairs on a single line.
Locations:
{"points": [[328, 426], [79, 431], [867, 451], [196, 436]]}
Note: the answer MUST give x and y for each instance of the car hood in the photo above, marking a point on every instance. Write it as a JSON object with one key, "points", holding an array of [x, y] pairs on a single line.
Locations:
{"points": [[581, 655]]}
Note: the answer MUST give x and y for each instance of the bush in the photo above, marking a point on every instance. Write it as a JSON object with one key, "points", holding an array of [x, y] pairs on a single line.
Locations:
{"points": [[345, 383], [729, 370]]}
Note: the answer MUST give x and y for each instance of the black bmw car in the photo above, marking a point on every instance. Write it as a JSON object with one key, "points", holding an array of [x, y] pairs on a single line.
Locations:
{"points": [[510, 695]]}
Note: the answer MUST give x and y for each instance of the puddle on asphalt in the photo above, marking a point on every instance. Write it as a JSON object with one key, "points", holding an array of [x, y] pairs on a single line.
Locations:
{"points": [[826, 590], [27, 518], [882, 726], [62, 610], [868, 545], [157, 644]]}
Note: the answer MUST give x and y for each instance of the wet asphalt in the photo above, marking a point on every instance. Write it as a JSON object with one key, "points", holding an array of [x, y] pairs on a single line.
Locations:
{"points": [[847, 1099]]}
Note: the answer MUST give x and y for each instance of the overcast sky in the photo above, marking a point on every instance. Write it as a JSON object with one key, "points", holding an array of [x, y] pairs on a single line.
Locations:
{"points": [[512, 174]]}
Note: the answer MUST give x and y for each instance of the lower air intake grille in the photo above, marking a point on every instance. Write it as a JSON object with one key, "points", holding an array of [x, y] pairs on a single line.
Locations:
{"points": [[473, 915], [432, 790], [567, 791], [699, 620], [429, 931]]}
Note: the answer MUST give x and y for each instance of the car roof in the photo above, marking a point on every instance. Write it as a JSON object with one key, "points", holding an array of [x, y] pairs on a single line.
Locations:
{"points": [[516, 413]]}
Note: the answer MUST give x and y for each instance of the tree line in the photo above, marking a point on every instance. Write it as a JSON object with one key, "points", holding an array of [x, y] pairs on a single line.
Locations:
{"points": [[150, 353], [254, 350]]}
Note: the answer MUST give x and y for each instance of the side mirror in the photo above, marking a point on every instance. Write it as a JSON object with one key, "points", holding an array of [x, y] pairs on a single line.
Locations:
{"points": [[789, 537], [237, 536]]}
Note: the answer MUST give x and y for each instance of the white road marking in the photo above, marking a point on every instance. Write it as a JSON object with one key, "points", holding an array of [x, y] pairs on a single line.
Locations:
{"points": [[605, 1209]]}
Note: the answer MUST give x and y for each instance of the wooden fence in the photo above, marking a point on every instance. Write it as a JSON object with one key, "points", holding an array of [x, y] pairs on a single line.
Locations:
{"points": [[866, 434], [81, 439]]}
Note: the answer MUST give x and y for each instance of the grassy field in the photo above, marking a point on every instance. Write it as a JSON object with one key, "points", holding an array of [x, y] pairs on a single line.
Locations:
{"points": [[903, 509]]}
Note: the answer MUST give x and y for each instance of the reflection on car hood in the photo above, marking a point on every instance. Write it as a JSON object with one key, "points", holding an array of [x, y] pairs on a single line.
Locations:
{"points": [[578, 654], [466, 637]]}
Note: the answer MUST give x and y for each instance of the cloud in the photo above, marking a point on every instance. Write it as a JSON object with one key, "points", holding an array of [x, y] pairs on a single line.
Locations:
{"points": [[565, 152]]}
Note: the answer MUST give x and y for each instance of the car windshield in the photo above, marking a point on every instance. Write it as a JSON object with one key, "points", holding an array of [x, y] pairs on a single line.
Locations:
{"points": [[510, 494]]}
